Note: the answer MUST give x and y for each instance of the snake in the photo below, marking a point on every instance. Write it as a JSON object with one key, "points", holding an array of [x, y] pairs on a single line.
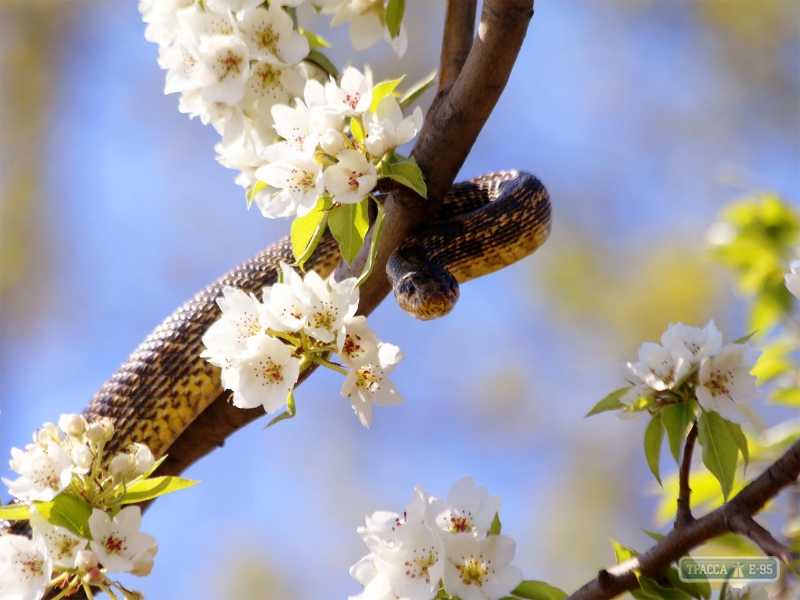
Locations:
{"points": [[483, 225]]}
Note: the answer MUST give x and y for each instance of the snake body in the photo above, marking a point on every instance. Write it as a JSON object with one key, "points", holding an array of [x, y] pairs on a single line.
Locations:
{"points": [[484, 224]]}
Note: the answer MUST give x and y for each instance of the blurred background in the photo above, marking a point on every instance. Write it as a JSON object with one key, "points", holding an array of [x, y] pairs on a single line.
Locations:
{"points": [[643, 118]]}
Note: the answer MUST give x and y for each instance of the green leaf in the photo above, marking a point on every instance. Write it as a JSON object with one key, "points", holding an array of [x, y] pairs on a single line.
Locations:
{"points": [[307, 230], [358, 129], [67, 510], [740, 438], [786, 397], [14, 512], [678, 419], [653, 437], [652, 589], [394, 16], [323, 62], [610, 402], [349, 224], [407, 174], [377, 231], [745, 339], [315, 42], [623, 553], [417, 90], [496, 527], [696, 589], [253, 192], [720, 452], [381, 91], [147, 489], [656, 536], [538, 590]]}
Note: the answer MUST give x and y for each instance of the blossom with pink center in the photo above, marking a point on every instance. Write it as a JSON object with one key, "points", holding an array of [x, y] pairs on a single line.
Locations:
{"points": [[351, 179], [118, 541]]}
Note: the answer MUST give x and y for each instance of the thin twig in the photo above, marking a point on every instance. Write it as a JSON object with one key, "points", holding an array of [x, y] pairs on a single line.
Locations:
{"points": [[621, 578], [746, 526], [459, 29], [684, 516]]}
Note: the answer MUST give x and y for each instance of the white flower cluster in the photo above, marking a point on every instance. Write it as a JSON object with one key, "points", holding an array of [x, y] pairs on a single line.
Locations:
{"points": [[262, 347], [692, 362], [317, 156], [234, 61], [438, 544], [57, 465]]}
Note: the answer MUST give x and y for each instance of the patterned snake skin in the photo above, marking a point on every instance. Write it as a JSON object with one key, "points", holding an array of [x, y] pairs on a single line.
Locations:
{"points": [[485, 224]]}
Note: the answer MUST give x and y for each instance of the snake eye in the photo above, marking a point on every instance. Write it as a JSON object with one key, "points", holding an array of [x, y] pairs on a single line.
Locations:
{"points": [[408, 288]]}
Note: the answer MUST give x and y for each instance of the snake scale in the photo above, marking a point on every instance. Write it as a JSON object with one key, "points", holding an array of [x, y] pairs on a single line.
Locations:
{"points": [[484, 224]]}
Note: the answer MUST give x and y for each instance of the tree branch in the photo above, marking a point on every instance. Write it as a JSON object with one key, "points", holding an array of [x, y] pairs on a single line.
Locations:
{"points": [[459, 29], [452, 125], [684, 516], [733, 517], [747, 527]]}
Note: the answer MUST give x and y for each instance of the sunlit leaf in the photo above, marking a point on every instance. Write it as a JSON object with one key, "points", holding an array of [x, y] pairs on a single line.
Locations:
{"points": [[696, 589], [538, 590], [786, 397], [496, 527], [677, 420], [357, 129], [740, 438], [720, 451], [652, 589], [394, 16], [308, 229], [349, 224], [322, 61], [623, 553], [417, 90], [315, 42], [407, 174], [14, 512], [382, 90], [653, 438], [69, 511], [154, 487], [610, 402]]}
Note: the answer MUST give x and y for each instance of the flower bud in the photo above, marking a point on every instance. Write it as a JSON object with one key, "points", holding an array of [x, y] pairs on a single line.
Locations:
{"points": [[132, 595], [122, 465], [82, 458], [143, 458], [332, 142], [100, 431], [376, 145], [48, 433], [86, 560], [94, 577], [73, 425]]}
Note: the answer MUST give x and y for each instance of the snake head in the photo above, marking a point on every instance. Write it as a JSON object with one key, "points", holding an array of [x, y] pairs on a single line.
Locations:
{"points": [[427, 293]]}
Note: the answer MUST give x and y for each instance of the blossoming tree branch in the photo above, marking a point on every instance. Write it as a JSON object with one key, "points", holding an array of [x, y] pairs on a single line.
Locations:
{"points": [[322, 147]]}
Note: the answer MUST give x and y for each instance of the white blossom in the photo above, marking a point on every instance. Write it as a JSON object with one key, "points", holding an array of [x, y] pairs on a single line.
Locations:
{"points": [[269, 33], [118, 541], [658, 367], [369, 384], [62, 545], [82, 458], [288, 303], [725, 379], [25, 569], [479, 569], [376, 583], [44, 472], [468, 508], [351, 179], [223, 7], [300, 179], [294, 126], [353, 96], [357, 343], [387, 129], [793, 278], [266, 374], [329, 307], [238, 329], [224, 69], [367, 25], [415, 564], [692, 343], [270, 84]]}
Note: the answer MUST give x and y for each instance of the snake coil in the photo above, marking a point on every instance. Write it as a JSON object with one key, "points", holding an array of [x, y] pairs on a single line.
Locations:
{"points": [[485, 224]]}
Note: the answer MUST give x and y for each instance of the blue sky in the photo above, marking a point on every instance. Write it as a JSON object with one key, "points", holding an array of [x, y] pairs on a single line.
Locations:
{"points": [[628, 117]]}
